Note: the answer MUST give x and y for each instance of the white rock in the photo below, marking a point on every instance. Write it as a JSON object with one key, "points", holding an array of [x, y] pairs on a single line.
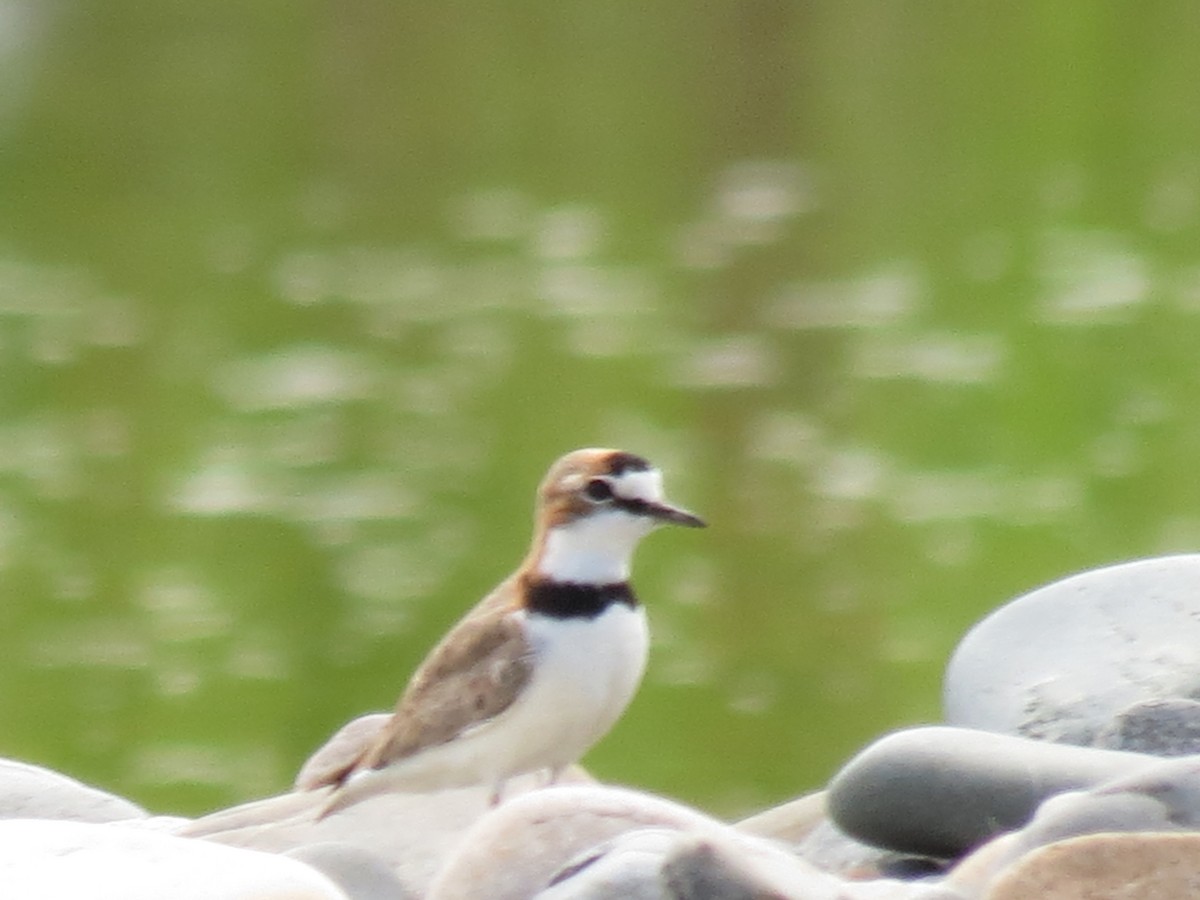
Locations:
{"points": [[663, 864], [792, 821], [519, 848], [413, 833], [32, 792], [716, 868], [60, 860], [628, 867], [1060, 662], [360, 873]]}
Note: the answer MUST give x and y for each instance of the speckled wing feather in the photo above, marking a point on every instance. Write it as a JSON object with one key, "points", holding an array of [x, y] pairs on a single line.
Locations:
{"points": [[473, 675]]}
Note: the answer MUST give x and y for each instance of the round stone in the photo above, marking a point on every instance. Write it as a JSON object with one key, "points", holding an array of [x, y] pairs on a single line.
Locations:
{"points": [[940, 792], [1149, 865], [362, 875], [32, 792], [1160, 727], [42, 858], [1060, 663], [517, 848]]}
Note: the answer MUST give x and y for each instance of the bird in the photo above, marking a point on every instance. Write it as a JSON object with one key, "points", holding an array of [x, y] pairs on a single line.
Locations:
{"points": [[543, 666]]}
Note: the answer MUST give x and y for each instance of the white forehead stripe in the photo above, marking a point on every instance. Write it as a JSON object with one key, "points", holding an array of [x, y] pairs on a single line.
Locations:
{"points": [[645, 485]]}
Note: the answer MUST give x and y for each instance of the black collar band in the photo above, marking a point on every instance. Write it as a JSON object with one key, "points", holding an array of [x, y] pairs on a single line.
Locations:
{"points": [[568, 600]]}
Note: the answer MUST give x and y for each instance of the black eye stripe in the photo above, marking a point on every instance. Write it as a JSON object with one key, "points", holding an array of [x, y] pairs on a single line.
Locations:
{"points": [[631, 505]]}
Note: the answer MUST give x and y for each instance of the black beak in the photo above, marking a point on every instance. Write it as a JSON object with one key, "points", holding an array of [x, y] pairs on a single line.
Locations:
{"points": [[674, 515]]}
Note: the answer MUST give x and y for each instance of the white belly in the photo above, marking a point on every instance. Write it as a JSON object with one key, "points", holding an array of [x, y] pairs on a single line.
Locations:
{"points": [[585, 674]]}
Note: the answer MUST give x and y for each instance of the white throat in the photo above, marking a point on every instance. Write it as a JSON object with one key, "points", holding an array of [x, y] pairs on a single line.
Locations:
{"points": [[597, 549]]}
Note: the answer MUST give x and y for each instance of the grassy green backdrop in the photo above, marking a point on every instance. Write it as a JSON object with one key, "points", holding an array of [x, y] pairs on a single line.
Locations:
{"points": [[298, 301]]}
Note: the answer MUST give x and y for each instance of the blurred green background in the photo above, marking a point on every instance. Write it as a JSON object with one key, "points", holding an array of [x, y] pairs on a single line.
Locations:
{"points": [[299, 300]]}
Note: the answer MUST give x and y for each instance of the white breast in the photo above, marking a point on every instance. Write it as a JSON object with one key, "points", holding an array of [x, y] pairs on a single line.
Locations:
{"points": [[585, 673]]}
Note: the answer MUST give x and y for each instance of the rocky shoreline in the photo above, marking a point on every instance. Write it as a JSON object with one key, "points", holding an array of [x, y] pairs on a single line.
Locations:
{"points": [[1068, 766]]}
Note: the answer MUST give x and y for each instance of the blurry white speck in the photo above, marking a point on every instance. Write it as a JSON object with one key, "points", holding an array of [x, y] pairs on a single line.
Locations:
{"points": [[1043, 498], [179, 607], [933, 357], [54, 339], [577, 290], [41, 291], [851, 473], [752, 201], [786, 436], [380, 573], [306, 278], [247, 769], [754, 694], [74, 580], [354, 498], [684, 665], [101, 643], [297, 376], [483, 343], [44, 451], [908, 645], [259, 659], [946, 495], [1144, 407], [569, 233], [573, 290], [176, 680], [22, 27], [1178, 534], [16, 26], [399, 285], [881, 298], [222, 483], [1092, 278], [1116, 454], [694, 582], [738, 361], [376, 620], [764, 191], [478, 340], [302, 439], [952, 546], [425, 393]]}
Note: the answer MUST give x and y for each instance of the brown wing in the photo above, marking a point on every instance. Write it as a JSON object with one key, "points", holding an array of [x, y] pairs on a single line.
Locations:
{"points": [[473, 675]]}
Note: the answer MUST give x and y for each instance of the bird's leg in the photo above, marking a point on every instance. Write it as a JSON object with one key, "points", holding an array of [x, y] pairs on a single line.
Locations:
{"points": [[552, 775]]}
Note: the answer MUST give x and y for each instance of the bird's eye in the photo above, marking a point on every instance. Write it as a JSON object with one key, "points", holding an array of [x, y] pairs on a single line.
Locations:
{"points": [[598, 490]]}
